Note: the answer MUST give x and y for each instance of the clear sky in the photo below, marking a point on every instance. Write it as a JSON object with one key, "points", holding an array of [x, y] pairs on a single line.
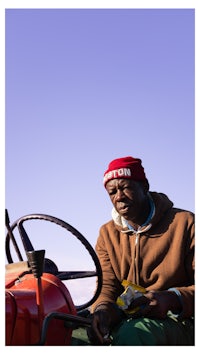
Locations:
{"points": [[86, 86]]}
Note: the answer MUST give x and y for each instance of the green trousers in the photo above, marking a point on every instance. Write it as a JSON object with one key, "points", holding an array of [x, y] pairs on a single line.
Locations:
{"points": [[146, 331]]}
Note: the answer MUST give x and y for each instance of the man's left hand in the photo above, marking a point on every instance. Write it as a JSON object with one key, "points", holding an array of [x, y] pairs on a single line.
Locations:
{"points": [[156, 304]]}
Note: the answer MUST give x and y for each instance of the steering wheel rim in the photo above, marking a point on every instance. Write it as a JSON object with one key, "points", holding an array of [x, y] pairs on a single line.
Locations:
{"points": [[74, 274]]}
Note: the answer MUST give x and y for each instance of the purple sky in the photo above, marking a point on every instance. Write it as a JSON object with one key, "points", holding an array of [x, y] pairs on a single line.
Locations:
{"points": [[87, 86]]}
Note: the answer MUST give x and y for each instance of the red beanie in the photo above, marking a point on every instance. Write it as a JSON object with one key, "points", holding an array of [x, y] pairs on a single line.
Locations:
{"points": [[125, 168]]}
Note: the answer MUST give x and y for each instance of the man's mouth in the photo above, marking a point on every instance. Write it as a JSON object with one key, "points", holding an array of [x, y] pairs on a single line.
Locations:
{"points": [[123, 207]]}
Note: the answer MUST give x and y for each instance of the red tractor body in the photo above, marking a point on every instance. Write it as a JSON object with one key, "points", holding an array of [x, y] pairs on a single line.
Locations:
{"points": [[29, 301]]}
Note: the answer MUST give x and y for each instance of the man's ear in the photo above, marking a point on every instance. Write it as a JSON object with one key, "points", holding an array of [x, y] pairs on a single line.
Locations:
{"points": [[145, 186]]}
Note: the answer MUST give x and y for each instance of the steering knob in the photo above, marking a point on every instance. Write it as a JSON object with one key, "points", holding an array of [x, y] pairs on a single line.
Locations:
{"points": [[36, 262]]}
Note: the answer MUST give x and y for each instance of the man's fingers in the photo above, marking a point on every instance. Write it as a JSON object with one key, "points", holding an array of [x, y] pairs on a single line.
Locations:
{"points": [[96, 329], [101, 330], [139, 302]]}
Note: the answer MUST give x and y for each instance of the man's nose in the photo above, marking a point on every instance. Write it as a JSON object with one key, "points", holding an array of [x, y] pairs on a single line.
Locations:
{"points": [[119, 195]]}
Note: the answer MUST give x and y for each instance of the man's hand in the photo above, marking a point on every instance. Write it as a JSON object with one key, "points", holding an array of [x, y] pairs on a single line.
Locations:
{"points": [[103, 319], [156, 304]]}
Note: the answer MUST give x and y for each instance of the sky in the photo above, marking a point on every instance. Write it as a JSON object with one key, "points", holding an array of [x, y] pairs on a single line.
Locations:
{"points": [[84, 86]]}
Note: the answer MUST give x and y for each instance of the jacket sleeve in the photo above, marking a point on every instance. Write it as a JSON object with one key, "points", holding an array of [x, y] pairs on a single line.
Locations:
{"points": [[111, 286], [188, 292]]}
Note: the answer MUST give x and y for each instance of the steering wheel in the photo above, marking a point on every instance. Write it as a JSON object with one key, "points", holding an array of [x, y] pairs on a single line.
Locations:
{"points": [[49, 264]]}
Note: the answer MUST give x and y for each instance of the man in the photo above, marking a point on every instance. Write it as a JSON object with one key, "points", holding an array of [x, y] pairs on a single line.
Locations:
{"points": [[149, 243]]}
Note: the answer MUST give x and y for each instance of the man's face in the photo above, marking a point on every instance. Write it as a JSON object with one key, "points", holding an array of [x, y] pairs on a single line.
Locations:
{"points": [[128, 197]]}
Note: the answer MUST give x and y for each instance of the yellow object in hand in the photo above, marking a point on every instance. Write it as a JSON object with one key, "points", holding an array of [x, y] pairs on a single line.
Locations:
{"points": [[130, 293]]}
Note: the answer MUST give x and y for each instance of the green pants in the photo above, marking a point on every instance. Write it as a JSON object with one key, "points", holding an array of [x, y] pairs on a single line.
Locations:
{"points": [[146, 331]]}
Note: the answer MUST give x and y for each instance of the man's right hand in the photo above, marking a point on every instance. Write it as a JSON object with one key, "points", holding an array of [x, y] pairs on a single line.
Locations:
{"points": [[103, 319], [99, 332]]}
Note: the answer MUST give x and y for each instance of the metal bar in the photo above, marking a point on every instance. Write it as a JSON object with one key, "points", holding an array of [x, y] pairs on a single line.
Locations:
{"points": [[82, 322], [11, 235]]}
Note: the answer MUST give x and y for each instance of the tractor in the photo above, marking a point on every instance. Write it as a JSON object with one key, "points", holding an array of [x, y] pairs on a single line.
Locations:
{"points": [[39, 307]]}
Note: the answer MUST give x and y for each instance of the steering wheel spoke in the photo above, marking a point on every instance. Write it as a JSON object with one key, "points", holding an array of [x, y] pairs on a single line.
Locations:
{"points": [[71, 275]]}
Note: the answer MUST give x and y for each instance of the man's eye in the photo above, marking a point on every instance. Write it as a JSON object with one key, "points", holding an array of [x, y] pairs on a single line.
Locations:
{"points": [[112, 192]]}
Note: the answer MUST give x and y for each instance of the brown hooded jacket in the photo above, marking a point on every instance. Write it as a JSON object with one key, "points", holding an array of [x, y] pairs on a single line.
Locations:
{"points": [[158, 257]]}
